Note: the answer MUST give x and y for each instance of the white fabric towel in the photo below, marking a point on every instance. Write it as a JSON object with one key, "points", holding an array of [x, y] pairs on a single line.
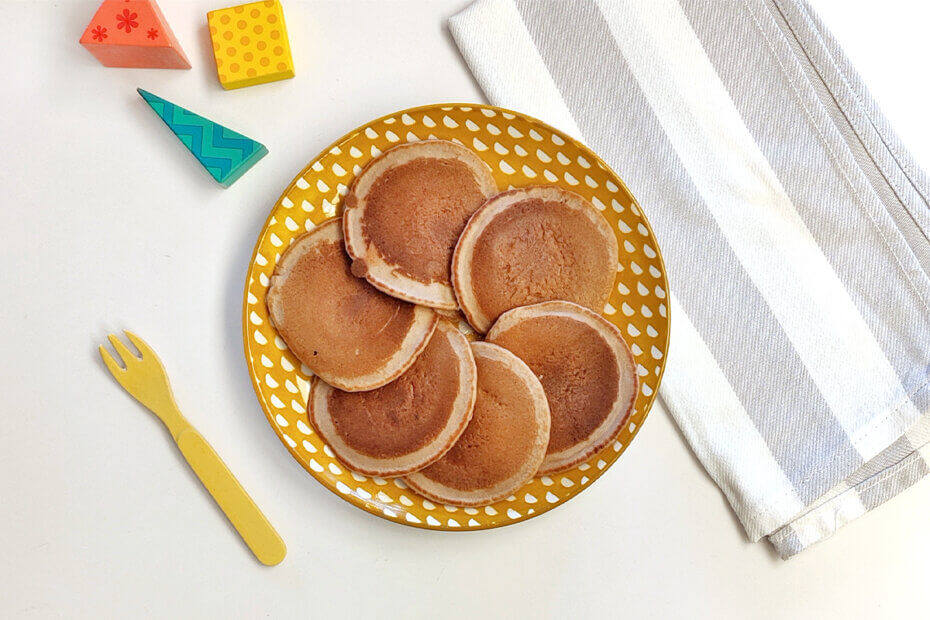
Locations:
{"points": [[793, 223]]}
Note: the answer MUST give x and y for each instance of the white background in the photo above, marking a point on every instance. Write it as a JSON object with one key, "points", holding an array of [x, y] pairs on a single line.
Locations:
{"points": [[107, 223]]}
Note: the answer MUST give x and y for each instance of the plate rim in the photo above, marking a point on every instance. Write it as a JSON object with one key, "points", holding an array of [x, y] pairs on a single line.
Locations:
{"points": [[356, 501]]}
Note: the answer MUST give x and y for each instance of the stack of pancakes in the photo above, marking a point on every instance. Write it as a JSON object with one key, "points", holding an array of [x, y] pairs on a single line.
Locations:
{"points": [[368, 302]]}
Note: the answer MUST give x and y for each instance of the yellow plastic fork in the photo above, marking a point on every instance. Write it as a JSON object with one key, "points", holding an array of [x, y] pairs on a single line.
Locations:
{"points": [[146, 380]]}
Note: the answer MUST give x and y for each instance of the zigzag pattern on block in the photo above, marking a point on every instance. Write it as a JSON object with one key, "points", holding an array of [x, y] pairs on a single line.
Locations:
{"points": [[225, 154]]}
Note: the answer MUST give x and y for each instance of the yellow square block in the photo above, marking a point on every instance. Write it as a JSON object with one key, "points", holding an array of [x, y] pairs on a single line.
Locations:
{"points": [[250, 44]]}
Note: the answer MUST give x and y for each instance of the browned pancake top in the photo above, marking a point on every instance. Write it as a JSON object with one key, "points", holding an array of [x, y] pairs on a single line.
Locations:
{"points": [[577, 369], [338, 323], [501, 432], [405, 414], [416, 211], [539, 250]]}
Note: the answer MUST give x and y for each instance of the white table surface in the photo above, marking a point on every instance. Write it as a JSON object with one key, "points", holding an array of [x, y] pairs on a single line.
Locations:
{"points": [[105, 223]]}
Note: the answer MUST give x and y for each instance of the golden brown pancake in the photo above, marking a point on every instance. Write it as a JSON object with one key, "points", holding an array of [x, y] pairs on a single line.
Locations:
{"points": [[405, 212], [504, 443], [347, 332], [530, 245], [407, 424], [586, 369]]}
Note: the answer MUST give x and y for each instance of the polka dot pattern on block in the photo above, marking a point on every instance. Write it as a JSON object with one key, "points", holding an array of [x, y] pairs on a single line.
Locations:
{"points": [[519, 151], [250, 44]]}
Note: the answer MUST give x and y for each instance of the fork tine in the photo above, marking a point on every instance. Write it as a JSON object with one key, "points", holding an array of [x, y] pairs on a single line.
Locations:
{"points": [[122, 349], [140, 344], [114, 368]]}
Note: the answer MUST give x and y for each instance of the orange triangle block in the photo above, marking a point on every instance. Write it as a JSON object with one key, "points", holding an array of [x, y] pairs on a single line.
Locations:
{"points": [[133, 33]]}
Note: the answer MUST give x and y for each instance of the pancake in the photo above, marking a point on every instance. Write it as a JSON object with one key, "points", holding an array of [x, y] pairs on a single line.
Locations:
{"points": [[347, 332], [505, 442], [530, 245], [407, 424], [586, 369], [405, 212]]}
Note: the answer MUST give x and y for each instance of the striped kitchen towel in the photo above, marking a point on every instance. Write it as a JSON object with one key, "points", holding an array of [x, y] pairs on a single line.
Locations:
{"points": [[793, 222]]}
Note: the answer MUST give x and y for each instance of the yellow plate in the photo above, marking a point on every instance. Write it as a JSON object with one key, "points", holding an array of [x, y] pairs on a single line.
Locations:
{"points": [[520, 151]]}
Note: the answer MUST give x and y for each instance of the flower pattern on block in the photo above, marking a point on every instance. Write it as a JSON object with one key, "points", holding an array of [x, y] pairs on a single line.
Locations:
{"points": [[127, 20]]}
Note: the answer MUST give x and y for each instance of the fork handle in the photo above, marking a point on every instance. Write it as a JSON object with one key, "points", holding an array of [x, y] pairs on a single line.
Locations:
{"points": [[241, 511]]}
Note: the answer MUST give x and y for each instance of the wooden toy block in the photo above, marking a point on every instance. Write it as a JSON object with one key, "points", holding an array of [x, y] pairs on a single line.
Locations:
{"points": [[225, 153], [250, 44], [133, 33]]}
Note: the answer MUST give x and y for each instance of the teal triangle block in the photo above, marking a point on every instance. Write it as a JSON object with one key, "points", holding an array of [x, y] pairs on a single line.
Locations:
{"points": [[224, 153]]}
